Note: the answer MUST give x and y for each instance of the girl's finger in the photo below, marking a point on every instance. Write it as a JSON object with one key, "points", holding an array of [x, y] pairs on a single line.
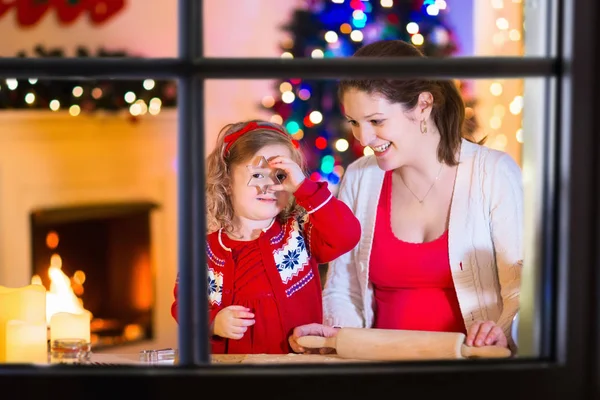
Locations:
{"points": [[280, 159], [238, 330], [243, 314], [243, 322], [281, 162]]}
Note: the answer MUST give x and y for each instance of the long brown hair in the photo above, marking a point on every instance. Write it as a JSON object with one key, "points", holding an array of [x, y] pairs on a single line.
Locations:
{"points": [[448, 109], [219, 209]]}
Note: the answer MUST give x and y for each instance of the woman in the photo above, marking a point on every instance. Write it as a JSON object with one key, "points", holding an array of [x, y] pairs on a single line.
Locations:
{"points": [[441, 216]]}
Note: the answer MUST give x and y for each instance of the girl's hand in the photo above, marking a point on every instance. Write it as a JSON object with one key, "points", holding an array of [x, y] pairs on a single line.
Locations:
{"points": [[232, 322], [292, 171]]}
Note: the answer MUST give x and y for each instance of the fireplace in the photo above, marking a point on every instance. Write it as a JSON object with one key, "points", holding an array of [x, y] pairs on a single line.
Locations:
{"points": [[103, 253]]}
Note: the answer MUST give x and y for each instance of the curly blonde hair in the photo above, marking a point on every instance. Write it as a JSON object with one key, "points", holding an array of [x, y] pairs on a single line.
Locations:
{"points": [[219, 163]]}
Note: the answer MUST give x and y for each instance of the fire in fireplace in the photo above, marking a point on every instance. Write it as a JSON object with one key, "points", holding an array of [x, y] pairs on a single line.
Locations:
{"points": [[97, 258]]}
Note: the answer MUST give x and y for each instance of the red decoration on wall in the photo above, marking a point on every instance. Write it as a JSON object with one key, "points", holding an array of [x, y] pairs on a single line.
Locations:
{"points": [[102, 11], [4, 7], [30, 12]]}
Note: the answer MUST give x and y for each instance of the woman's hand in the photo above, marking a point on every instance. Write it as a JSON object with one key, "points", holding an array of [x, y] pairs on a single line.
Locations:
{"points": [[311, 330], [486, 333], [293, 174]]}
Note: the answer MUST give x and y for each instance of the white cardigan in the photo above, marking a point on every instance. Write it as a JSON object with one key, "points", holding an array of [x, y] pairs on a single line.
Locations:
{"points": [[485, 240]]}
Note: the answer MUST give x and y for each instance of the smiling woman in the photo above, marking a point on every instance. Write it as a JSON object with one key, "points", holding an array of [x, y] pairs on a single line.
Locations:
{"points": [[452, 209]]}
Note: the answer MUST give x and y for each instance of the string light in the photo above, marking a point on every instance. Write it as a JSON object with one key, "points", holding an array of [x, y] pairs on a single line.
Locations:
{"points": [[130, 97], [54, 105], [496, 89], [288, 97], [149, 84], [304, 94], [74, 110], [345, 28], [96, 93], [331, 37], [268, 101], [412, 28], [356, 36], [417, 39], [77, 91], [87, 95], [276, 119], [154, 106], [317, 53], [29, 98], [342, 145], [316, 117], [285, 87], [12, 83]]}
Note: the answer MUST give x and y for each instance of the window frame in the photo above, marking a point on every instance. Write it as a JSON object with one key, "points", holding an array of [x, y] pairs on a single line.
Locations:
{"points": [[569, 257]]}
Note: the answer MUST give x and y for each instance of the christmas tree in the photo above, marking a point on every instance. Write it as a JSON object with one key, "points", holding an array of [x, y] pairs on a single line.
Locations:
{"points": [[337, 28]]}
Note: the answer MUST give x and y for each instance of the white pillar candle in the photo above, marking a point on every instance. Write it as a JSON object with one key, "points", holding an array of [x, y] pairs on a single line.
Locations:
{"points": [[64, 325], [26, 342], [27, 303]]}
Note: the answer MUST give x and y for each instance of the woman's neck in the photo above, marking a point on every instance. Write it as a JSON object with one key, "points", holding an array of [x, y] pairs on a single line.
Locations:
{"points": [[424, 167]]}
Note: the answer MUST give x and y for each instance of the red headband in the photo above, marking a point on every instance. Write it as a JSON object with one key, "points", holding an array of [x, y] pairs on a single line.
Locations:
{"points": [[250, 126]]}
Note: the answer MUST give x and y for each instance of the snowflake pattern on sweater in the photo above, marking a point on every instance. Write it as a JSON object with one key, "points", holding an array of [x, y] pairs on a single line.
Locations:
{"points": [[293, 257], [215, 286]]}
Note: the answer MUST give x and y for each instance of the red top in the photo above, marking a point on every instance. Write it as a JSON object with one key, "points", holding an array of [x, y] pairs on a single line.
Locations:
{"points": [[277, 275], [414, 290]]}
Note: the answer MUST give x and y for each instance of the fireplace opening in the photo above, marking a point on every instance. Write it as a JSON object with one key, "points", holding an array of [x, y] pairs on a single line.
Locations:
{"points": [[97, 257]]}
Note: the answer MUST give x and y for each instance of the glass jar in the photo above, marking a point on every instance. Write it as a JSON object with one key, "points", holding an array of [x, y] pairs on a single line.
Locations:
{"points": [[162, 356], [69, 351]]}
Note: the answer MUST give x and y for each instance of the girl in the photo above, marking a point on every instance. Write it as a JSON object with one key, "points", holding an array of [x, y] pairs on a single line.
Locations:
{"points": [[269, 228]]}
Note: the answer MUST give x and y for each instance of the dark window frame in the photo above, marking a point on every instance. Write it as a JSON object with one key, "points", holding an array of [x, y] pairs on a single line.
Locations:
{"points": [[571, 330]]}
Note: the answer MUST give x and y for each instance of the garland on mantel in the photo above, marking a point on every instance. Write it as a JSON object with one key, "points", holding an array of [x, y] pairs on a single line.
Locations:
{"points": [[138, 97]]}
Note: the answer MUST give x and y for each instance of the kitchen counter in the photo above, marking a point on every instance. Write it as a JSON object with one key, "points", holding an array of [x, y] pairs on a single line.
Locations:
{"points": [[133, 359]]}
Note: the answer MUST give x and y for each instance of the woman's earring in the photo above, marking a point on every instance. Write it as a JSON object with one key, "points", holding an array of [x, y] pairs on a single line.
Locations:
{"points": [[423, 126]]}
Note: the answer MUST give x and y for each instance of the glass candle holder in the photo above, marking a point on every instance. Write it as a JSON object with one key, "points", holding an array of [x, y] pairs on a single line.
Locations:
{"points": [[69, 351], [162, 356]]}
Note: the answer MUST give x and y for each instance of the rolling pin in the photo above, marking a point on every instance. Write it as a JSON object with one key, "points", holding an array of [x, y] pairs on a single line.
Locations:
{"points": [[397, 345]]}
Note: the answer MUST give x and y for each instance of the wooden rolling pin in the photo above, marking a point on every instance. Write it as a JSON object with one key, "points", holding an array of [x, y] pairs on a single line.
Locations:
{"points": [[397, 345]]}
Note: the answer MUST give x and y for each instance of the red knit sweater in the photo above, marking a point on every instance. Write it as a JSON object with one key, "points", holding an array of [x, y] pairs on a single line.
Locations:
{"points": [[277, 274]]}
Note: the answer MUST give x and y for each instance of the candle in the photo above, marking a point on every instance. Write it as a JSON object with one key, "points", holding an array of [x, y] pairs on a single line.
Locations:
{"points": [[26, 304], [64, 325], [26, 342]]}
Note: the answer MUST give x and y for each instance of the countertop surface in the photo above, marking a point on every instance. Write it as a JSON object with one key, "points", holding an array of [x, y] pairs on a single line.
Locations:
{"points": [[134, 359]]}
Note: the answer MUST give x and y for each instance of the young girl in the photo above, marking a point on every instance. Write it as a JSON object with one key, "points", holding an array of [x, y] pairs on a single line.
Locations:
{"points": [[269, 228]]}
